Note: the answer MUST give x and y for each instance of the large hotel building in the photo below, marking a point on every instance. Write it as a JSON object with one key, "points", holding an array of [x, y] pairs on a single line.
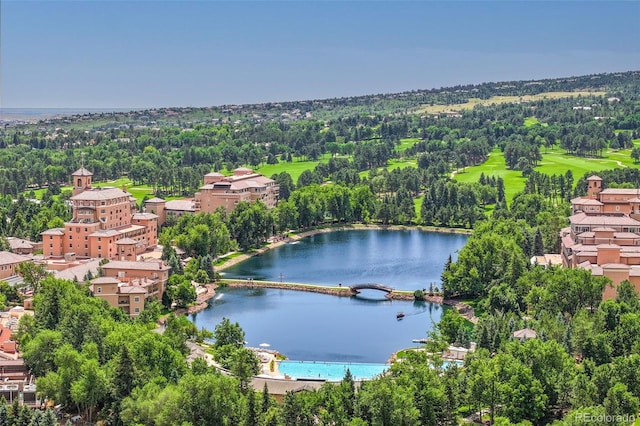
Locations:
{"points": [[604, 234], [218, 191], [105, 224]]}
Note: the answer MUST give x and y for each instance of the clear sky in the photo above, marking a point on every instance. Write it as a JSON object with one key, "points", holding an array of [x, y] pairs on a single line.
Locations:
{"points": [[111, 54]]}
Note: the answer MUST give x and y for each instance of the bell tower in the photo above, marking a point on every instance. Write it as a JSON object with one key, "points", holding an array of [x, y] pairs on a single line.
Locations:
{"points": [[81, 179], [595, 186]]}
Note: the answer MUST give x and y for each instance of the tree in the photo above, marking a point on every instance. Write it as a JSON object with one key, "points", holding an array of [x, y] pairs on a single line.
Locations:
{"points": [[626, 293], [226, 333], [180, 291], [450, 324], [385, 402], [40, 351], [244, 365], [124, 377], [620, 401], [32, 274], [92, 387]]}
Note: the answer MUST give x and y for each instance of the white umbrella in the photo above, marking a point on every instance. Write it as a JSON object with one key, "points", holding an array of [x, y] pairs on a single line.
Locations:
{"points": [[264, 345]]}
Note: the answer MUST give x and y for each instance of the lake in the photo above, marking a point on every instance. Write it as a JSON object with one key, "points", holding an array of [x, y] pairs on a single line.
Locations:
{"points": [[318, 327]]}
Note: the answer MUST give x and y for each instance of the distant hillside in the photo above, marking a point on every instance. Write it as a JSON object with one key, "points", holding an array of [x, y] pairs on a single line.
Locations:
{"points": [[417, 101]]}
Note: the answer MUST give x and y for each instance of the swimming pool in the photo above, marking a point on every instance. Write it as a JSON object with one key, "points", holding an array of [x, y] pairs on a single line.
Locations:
{"points": [[332, 371]]}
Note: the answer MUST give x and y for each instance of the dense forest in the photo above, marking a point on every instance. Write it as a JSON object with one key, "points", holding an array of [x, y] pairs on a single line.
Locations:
{"points": [[93, 359]]}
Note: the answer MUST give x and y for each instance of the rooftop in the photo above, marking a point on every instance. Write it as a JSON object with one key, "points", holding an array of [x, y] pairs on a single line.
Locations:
{"points": [[105, 280], [144, 216], [105, 233], [584, 219], [53, 231], [126, 264], [525, 333], [155, 200], [19, 243], [130, 289], [7, 258], [586, 202], [82, 172], [99, 194], [181, 205], [621, 191]]}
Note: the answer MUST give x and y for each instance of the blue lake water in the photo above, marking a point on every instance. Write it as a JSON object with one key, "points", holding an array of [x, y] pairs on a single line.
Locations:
{"points": [[406, 260], [318, 327]]}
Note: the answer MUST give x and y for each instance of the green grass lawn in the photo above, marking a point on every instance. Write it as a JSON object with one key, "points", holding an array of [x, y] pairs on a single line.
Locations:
{"points": [[530, 121], [495, 166], [295, 168], [554, 162], [418, 203], [406, 143]]}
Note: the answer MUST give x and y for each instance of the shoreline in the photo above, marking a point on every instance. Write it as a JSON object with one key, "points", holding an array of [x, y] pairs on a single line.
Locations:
{"points": [[202, 301], [354, 227]]}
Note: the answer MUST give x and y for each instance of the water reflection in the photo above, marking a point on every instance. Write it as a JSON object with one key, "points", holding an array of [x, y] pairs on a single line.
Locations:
{"points": [[312, 326]]}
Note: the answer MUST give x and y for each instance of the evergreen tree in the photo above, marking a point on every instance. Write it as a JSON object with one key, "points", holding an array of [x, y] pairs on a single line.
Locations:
{"points": [[124, 377], [175, 264], [500, 189], [251, 413], [206, 264], [266, 399], [538, 244]]}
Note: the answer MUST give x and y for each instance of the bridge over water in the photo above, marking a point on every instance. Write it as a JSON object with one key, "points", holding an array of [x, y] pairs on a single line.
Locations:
{"points": [[355, 289]]}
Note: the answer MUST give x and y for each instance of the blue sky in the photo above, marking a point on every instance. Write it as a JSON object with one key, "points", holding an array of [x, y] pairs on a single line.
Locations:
{"points": [[112, 54]]}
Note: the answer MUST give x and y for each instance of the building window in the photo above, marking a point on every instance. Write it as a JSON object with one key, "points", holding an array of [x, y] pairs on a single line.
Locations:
{"points": [[617, 208], [136, 299], [99, 290], [120, 274], [50, 245], [136, 310], [70, 245]]}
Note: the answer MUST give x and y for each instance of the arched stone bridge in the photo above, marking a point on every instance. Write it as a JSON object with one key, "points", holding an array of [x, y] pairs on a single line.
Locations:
{"points": [[355, 289]]}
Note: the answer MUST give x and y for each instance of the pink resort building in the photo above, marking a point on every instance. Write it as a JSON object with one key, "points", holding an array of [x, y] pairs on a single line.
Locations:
{"points": [[128, 284], [105, 224], [604, 234], [219, 190]]}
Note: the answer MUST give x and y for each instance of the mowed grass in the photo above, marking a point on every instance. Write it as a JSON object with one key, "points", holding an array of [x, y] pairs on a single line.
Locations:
{"points": [[554, 162], [295, 168], [494, 166], [393, 164], [495, 100], [406, 144], [532, 121], [418, 203]]}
